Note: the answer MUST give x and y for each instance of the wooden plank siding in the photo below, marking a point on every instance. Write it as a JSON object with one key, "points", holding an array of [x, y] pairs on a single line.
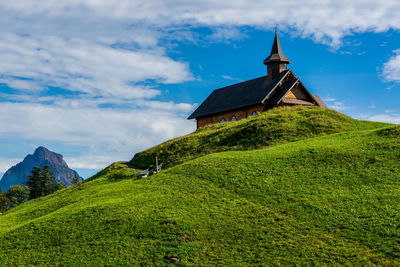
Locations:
{"points": [[240, 114]]}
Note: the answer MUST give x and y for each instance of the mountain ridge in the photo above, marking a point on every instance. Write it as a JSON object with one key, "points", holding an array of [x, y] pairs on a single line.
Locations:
{"points": [[18, 173]]}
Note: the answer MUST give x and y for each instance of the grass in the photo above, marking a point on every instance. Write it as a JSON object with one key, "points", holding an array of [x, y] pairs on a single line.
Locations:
{"points": [[326, 200], [277, 126]]}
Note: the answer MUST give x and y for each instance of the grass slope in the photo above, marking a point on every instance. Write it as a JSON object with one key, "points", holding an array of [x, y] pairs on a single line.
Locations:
{"points": [[277, 126], [325, 200]]}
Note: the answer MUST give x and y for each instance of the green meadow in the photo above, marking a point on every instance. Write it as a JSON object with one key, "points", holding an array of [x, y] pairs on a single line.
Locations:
{"points": [[277, 126], [293, 186]]}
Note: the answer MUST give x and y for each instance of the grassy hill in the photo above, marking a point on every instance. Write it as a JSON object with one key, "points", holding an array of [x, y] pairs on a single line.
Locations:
{"points": [[331, 199], [277, 126]]}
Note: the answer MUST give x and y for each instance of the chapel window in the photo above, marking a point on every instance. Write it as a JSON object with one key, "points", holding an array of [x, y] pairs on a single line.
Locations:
{"points": [[222, 120], [233, 118], [254, 114]]}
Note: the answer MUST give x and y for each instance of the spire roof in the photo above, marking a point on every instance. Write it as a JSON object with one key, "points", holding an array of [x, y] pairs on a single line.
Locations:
{"points": [[276, 52]]}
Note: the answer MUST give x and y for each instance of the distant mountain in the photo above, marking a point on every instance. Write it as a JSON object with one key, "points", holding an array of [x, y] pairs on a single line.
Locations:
{"points": [[18, 174]]}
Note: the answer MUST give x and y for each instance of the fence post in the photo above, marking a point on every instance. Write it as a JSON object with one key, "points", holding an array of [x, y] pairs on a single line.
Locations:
{"points": [[156, 164]]}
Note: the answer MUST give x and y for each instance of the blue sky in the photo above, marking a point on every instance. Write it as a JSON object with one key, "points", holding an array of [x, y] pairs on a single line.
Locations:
{"points": [[98, 81]]}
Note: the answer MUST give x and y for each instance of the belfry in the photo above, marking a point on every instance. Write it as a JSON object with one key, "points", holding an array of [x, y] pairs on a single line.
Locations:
{"points": [[280, 87], [277, 61]]}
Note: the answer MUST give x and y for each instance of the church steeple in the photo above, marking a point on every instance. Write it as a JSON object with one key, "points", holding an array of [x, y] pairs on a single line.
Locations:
{"points": [[277, 61]]}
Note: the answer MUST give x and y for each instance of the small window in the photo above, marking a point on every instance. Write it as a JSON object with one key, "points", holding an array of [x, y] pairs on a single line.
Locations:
{"points": [[233, 118], [254, 114], [222, 120]]}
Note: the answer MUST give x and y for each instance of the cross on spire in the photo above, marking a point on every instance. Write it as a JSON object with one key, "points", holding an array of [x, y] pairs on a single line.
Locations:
{"points": [[276, 53], [277, 61]]}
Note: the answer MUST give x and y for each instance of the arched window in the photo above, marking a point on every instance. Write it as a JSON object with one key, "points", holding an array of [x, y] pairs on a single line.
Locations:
{"points": [[222, 120], [254, 114], [233, 118]]}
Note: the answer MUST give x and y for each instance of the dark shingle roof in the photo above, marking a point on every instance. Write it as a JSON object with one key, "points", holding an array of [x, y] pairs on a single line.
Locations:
{"points": [[237, 95], [319, 101], [279, 95]]}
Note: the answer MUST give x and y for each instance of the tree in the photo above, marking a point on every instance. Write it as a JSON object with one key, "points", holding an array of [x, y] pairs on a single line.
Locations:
{"points": [[17, 194], [41, 182], [59, 186], [76, 179], [4, 202]]}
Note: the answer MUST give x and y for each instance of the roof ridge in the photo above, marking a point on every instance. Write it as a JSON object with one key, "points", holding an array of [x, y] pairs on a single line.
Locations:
{"points": [[275, 86], [265, 76], [237, 95]]}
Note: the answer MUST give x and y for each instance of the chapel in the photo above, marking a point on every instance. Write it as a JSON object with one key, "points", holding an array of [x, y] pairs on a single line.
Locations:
{"points": [[280, 87]]}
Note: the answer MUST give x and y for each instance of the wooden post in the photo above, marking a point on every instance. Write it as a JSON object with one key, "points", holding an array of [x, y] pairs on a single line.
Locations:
{"points": [[156, 164]]}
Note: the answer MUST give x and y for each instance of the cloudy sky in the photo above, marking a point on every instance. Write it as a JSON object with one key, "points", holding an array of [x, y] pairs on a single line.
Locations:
{"points": [[98, 80]]}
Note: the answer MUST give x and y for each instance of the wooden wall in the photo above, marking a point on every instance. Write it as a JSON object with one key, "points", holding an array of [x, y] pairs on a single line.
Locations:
{"points": [[296, 93], [239, 113]]}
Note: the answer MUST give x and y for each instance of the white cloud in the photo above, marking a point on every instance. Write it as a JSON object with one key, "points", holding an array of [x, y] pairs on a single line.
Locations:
{"points": [[329, 99], [339, 106], [102, 135], [391, 69], [389, 118], [108, 47], [84, 66], [222, 34], [326, 21], [107, 51], [167, 106], [227, 77], [6, 163], [93, 162], [333, 103]]}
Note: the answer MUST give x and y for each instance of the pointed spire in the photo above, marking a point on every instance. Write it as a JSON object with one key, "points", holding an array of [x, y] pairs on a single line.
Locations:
{"points": [[276, 55]]}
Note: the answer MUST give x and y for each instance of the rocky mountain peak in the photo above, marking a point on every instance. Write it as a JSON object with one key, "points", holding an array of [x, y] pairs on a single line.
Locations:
{"points": [[43, 154], [18, 174]]}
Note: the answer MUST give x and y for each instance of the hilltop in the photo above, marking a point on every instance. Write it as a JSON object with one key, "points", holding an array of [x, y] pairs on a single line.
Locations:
{"points": [[328, 199], [277, 126]]}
